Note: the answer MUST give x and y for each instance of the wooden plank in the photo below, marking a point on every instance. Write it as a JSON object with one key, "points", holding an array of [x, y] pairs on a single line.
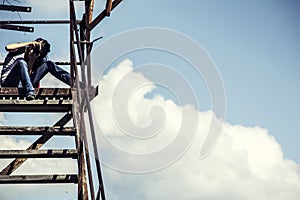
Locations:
{"points": [[35, 105], [41, 92], [31, 179], [15, 164], [44, 153], [54, 92], [54, 130], [24, 102]]}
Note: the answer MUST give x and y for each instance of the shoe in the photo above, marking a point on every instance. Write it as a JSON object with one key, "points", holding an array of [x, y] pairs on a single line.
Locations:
{"points": [[30, 97]]}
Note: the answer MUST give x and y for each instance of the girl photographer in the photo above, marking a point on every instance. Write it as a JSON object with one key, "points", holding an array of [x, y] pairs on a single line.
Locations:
{"points": [[26, 64]]}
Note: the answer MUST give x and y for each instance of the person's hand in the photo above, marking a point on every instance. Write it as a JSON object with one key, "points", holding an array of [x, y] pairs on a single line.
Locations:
{"points": [[31, 58], [36, 45], [32, 55]]}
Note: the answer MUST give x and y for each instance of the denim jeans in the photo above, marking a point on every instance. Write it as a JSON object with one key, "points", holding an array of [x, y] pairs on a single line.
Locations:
{"points": [[17, 74], [20, 73], [51, 67]]}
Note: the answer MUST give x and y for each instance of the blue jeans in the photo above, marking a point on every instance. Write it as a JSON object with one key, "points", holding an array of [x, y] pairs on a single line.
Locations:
{"points": [[20, 73], [17, 74], [51, 67]]}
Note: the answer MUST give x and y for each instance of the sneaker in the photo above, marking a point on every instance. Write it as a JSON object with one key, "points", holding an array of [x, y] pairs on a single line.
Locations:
{"points": [[30, 97]]}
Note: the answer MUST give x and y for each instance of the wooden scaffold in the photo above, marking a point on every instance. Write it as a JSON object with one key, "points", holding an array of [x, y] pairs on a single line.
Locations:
{"points": [[73, 101]]}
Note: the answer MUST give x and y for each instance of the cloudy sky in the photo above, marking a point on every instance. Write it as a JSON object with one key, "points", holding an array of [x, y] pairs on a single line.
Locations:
{"points": [[144, 104]]}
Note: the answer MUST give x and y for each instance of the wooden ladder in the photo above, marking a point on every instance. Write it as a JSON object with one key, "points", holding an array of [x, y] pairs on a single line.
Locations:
{"points": [[74, 102], [59, 100]]}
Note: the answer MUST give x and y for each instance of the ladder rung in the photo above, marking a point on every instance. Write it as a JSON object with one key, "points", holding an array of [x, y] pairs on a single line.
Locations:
{"points": [[35, 105], [23, 179], [43, 153], [54, 130]]}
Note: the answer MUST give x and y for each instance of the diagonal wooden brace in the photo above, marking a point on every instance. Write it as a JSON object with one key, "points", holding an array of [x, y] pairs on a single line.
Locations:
{"points": [[15, 164]]}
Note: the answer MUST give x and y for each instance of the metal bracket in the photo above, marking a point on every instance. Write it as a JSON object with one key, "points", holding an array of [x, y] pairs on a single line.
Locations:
{"points": [[15, 8], [17, 28]]}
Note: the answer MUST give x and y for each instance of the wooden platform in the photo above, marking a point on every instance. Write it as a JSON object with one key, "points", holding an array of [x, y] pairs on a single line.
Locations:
{"points": [[42, 93], [47, 100]]}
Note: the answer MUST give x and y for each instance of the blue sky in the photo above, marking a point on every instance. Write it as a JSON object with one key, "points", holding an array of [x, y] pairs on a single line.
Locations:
{"points": [[255, 45]]}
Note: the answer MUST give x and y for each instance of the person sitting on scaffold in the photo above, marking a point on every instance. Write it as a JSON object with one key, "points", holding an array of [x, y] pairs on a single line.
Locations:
{"points": [[27, 63]]}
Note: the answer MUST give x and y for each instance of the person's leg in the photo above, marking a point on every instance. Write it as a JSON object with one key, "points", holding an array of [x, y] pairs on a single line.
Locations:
{"points": [[19, 73], [13, 78], [55, 70]]}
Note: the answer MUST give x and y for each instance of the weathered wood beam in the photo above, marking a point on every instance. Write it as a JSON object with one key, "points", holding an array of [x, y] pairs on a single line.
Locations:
{"points": [[89, 8], [54, 130], [102, 15], [31, 179], [73, 61], [108, 7], [78, 121], [44, 153]]}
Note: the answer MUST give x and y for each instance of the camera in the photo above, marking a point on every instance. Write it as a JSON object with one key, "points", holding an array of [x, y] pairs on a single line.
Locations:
{"points": [[36, 49]]}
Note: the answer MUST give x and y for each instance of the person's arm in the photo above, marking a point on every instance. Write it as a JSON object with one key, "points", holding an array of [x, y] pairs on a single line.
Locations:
{"points": [[15, 46], [30, 57]]}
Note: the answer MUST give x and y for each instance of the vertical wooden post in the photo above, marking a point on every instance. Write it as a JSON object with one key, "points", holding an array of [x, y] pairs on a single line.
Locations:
{"points": [[82, 185], [71, 46], [108, 7], [89, 8]]}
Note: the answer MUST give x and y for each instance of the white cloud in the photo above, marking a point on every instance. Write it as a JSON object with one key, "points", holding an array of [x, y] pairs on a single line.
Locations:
{"points": [[247, 162], [139, 111]]}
